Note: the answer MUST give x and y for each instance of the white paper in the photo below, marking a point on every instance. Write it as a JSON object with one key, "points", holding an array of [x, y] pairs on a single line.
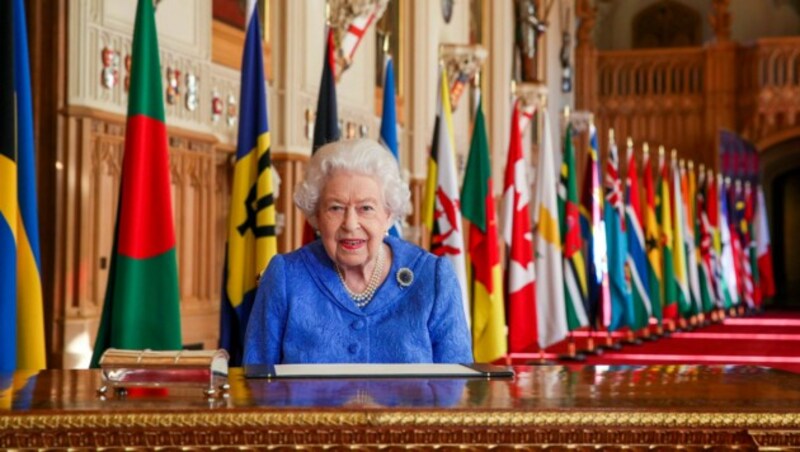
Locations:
{"points": [[372, 370]]}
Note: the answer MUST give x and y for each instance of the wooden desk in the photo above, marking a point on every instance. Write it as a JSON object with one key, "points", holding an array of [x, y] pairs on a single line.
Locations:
{"points": [[667, 406]]}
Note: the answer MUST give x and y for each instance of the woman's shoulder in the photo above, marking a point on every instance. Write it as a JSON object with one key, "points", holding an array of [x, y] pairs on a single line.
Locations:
{"points": [[289, 262], [408, 254]]}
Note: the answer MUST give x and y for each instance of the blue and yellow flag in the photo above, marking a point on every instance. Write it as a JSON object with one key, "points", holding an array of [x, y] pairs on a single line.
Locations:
{"points": [[21, 317], [251, 228]]}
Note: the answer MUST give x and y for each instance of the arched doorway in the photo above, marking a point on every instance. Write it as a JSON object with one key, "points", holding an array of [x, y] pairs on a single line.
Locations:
{"points": [[780, 166]]}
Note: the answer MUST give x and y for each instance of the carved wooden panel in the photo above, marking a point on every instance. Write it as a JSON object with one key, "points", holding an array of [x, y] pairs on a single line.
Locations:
{"points": [[290, 168], [656, 96], [770, 82]]}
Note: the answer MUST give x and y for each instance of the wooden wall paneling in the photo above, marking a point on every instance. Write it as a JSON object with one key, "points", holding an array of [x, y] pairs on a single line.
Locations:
{"points": [[192, 170], [587, 83], [90, 191], [720, 89], [105, 149], [47, 30], [417, 187], [290, 168], [283, 204]]}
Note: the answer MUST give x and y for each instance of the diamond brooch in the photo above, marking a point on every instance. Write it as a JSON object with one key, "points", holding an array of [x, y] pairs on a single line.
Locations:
{"points": [[405, 277]]}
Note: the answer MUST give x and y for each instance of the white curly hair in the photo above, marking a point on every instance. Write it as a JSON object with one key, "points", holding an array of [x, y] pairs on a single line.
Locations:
{"points": [[363, 156]]}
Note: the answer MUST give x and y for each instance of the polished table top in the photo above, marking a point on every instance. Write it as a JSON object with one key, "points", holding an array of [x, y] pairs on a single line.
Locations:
{"points": [[704, 406], [721, 389]]}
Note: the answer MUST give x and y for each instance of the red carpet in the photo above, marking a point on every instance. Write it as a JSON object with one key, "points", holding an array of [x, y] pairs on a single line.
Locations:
{"points": [[769, 339]]}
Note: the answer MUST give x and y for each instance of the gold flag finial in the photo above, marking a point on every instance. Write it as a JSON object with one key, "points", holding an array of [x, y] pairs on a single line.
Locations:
{"points": [[661, 150], [611, 137], [328, 13], [386, 41], [630, 142], [645, 148]]}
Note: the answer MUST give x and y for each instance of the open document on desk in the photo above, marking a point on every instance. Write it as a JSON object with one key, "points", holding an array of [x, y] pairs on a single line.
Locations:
{"points": [[377, 371]]}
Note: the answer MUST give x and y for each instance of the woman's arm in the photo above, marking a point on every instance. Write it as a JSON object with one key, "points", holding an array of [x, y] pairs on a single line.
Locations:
{"points": [[450, 336], [262, 343]]}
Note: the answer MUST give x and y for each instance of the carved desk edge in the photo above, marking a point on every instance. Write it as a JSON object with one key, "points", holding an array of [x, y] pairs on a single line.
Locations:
{"points": [[403, 419], [427, 430]]}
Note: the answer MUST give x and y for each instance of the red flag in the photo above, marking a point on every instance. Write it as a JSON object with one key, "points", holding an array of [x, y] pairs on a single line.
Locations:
{"points": [[517, 233], [763, 247]]}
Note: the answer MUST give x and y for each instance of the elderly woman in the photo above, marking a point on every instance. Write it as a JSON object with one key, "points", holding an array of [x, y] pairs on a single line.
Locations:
{"points": [[356, 295]]}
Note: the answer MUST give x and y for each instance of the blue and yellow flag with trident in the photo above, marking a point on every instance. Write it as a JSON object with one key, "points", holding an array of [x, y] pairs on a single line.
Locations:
{"points": [[251, 228], [21, 316]]}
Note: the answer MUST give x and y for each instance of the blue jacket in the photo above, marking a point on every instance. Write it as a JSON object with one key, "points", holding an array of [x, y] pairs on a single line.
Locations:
{"points": [[302, 313]]}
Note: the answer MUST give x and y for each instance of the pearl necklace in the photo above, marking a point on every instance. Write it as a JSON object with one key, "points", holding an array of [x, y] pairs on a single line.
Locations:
{"points": [[362, 299]]}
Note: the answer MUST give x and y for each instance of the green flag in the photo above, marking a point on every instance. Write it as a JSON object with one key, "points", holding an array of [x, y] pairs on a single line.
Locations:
{"points": [[663, 203], [575, 287], [486, 276], [141, 308]]}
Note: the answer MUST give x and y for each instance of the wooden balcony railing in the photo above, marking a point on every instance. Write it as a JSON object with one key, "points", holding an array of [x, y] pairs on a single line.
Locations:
{"points": [[656, 96], [769, 83], [682, 97]]}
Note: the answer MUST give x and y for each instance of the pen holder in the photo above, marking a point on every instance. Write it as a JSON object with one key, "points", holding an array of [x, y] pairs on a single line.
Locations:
{"points": [[124, 369]]}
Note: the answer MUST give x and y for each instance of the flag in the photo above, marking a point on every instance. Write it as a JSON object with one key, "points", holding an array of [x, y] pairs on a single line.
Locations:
{"points": [[575, 294], [520, 277], [763, 247], [525, 116], [551, 312], [389, 124], [652, 233], [729, 278], [442, 209], [742, 243], [593, 231], [621, 302], [712, 204], [141, 308], [636, 259], [689, 192], [353, 33], [477, 206], [678, 245], [326, 122], [22, 344], [708, 288], [251, 225], [664, 206], [752, 251]]}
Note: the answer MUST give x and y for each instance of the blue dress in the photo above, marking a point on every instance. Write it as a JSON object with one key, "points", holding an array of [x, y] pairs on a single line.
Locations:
{"points": [[302, 313]]}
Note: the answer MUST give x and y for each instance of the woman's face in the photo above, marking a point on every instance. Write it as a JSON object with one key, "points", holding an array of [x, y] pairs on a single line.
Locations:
{"points": [[352, 218]]}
